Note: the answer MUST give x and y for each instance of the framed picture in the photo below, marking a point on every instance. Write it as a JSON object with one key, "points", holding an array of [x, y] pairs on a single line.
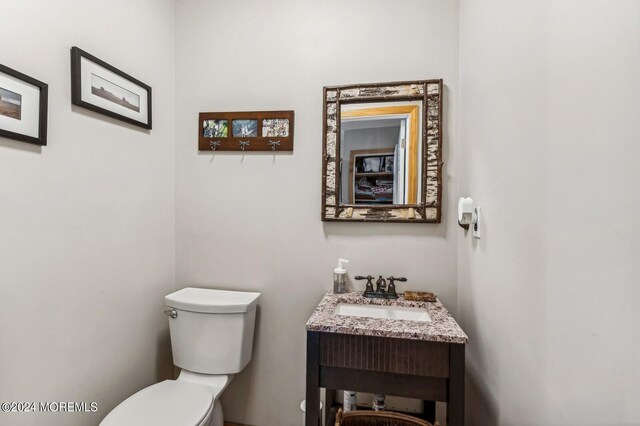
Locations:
{"points": [[215, 128], [388, 163], [23, 107], [245, 128], [246, 131], [275, 127], [102, 88]]}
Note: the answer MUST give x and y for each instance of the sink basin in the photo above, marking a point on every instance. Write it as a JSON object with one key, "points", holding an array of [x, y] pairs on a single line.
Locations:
{"points": [[385, 312]]}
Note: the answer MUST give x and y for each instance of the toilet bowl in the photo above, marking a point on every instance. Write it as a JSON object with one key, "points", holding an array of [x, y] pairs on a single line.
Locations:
{"points": [[211, 339]]}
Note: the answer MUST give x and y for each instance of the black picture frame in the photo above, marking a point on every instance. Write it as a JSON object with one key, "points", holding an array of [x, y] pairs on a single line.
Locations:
{"points": [[103, 101], [41, 109]]}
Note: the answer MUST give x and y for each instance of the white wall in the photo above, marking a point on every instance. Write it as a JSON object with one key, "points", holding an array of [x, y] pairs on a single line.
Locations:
{"points": [[550, 100], [253, 222], [86, 223]]}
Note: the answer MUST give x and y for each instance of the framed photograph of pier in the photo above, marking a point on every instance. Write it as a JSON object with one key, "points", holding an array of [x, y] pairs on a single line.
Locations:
{"points": [[102, 88], [23, 107]]}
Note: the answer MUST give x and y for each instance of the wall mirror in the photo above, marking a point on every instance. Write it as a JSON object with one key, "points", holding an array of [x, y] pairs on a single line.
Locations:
{"points": [[382, 152]]}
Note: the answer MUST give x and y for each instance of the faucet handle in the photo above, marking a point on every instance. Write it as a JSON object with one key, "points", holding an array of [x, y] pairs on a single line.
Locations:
{"points": [[369, 287], [392, 285]]}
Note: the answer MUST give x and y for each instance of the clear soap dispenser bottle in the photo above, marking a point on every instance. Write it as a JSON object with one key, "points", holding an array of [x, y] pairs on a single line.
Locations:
{"points": [[340, 277]]}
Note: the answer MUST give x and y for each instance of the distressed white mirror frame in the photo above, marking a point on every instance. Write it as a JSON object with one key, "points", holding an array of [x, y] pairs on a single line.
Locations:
{"points": [[428, 209]]}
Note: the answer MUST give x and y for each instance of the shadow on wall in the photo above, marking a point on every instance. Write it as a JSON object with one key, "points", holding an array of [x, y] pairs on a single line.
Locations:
{"points": [[98, 116], [479, 401], [22, 146], [347, 229], [241, 390], [164, 359]]}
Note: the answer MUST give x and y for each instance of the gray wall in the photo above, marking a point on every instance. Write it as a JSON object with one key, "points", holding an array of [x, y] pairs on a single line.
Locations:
{"points": [[253, 222], [549, 128], [86, 223]]}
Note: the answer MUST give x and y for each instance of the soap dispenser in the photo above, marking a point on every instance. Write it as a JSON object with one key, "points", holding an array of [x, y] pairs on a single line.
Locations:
{"points": [[340, 277]]}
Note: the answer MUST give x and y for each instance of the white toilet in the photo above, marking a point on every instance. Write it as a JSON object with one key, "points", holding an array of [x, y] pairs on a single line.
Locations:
{"points": [[211, 339]]}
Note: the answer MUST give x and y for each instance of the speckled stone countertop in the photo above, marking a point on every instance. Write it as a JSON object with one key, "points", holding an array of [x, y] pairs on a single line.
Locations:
{"points": [[441, 328]]}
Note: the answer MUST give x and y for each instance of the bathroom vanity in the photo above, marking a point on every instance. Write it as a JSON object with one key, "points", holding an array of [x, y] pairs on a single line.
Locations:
{"points": [[394, 347]]}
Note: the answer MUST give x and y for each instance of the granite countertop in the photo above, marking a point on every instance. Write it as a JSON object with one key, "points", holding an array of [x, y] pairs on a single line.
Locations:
{"points": [[441, 328]]}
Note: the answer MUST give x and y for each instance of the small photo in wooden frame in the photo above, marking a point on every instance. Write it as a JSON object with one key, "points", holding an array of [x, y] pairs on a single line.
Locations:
{"points": [[245, 128], [246, 131], [275, 127], [215, 128]]}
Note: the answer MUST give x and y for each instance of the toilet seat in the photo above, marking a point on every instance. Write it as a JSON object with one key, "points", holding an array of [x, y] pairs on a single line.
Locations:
{"points": [[167, 403]]}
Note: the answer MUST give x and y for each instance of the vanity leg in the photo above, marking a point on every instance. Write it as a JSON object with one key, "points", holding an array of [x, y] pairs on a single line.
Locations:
{"points": [[330, 415], [455, 403], [312, 415], [430, 411]]}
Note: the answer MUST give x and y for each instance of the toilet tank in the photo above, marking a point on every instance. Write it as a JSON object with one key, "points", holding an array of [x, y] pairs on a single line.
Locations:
{"points": [[212, 331]]}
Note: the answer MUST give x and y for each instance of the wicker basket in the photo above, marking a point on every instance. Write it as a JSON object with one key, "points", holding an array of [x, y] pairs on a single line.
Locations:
{"points": [[378, 418]]}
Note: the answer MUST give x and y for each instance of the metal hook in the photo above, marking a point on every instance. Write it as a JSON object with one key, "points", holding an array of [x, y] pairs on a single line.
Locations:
{"points": [[244, 144], [274, 144], [214, 145]]}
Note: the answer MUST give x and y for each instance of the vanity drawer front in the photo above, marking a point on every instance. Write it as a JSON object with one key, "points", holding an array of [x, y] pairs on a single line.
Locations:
{"points": [[385, 354]]}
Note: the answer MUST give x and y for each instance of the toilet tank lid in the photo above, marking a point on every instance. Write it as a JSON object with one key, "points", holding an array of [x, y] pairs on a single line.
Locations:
{"points": [[212, 301]]}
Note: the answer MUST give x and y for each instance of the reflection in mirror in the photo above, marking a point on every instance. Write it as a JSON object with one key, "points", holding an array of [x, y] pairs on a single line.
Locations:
{"points": [[381, 151]]}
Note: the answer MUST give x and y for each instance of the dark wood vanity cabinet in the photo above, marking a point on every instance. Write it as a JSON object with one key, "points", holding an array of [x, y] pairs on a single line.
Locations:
{"points": [[431, 371]]}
